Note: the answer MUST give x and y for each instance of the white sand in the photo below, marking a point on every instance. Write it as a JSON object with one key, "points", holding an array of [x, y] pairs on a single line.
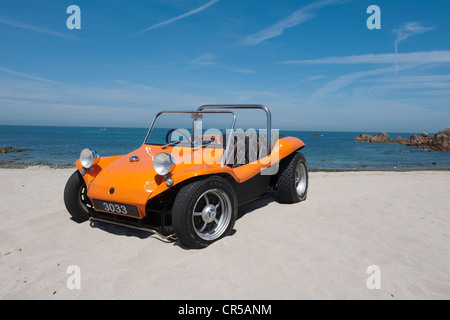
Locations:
{"points": [[319, 249]]}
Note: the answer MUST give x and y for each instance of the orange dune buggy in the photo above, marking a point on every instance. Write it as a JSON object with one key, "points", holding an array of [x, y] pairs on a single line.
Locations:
{"points": [[190, 175]]}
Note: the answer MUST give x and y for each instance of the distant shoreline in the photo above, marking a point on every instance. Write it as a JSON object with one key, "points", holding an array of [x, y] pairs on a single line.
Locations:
{"points": [[335, 150], [23, 165]]}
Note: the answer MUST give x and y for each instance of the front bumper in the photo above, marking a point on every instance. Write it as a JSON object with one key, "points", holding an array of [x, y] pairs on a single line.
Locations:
{"points": [[163, 231]]}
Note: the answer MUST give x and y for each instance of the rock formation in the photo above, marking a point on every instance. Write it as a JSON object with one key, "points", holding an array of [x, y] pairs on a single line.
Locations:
{"points": [[380, 138], [377, 138], [438, 142], [9, 149], [363, 138]]}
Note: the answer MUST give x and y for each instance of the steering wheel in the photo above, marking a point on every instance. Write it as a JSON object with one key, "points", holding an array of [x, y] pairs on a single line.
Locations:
{"points": [[171, 131]]}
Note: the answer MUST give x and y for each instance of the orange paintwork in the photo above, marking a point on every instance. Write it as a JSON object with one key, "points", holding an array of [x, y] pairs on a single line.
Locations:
{"points": [[136, 182]]}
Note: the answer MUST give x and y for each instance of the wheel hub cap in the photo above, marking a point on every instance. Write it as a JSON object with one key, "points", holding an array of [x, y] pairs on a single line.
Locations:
{"points": [[212, 214], [209, 213], [300, 179]]}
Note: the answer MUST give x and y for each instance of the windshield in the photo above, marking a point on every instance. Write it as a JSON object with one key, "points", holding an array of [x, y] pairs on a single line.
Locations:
{"points": [[190, 128]]}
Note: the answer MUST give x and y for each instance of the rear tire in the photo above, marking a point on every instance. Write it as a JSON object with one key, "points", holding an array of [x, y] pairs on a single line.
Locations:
{"points": [[293, 179], [204, 211], [75, 198]]}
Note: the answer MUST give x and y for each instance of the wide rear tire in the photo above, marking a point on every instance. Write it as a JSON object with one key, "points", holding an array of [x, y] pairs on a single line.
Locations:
{"points": [[292, 182]]}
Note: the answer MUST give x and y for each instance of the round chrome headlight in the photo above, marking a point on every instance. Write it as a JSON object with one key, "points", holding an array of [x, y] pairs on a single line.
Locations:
{"points": [[89, 158], [163, 163]]}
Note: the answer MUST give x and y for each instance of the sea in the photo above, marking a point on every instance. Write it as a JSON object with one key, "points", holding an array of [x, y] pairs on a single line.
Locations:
{"points": [[324, 150]]}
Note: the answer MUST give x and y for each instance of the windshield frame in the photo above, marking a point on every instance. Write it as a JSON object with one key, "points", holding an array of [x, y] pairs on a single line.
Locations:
{"points": [[193, 117]]}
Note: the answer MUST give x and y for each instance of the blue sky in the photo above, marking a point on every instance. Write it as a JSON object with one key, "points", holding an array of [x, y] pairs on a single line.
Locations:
{"points": [[315, 64]]}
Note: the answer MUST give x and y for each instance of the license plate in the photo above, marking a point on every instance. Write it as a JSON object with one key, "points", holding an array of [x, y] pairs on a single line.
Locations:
{"points": [[115, 207]]}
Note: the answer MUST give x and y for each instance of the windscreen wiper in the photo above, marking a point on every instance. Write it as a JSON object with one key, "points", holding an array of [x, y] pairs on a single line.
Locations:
{"points": [[170, 144]]}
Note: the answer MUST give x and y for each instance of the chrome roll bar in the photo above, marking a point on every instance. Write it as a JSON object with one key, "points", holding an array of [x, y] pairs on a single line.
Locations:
{"points": [[247, 106]]}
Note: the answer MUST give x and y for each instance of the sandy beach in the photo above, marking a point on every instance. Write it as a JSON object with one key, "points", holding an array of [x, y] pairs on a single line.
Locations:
{"points": [[318, 249]]}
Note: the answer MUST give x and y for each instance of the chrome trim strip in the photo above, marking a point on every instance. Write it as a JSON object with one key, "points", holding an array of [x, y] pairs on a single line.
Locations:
{"points": [[169, 237]]}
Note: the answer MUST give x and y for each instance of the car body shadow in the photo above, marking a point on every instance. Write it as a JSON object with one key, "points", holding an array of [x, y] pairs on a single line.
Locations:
{"points": [[126, 231], [261, 202], [143, 234]]}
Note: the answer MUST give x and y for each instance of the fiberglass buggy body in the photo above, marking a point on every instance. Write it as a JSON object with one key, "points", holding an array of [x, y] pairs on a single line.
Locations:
{"points": [[186, 181]]}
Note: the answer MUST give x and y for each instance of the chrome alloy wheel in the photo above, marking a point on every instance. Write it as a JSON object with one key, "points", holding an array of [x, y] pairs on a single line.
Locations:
{"points": [[212, 214], [300, 178]]}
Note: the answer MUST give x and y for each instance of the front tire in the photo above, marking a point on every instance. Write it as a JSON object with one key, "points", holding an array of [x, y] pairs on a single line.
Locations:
{"points": [[75, 198], [293, 179], [204, 211]]}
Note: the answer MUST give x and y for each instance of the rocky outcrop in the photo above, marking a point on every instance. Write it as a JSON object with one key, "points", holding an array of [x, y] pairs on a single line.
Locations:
{"points": [[377, 138], [9, 149], [400, 140], [363, 138], [438, 142], [380, 138], [442, 139]]}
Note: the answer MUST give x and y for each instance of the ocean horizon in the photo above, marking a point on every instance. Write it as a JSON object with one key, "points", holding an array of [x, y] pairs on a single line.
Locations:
{"points": [[61, 145]]}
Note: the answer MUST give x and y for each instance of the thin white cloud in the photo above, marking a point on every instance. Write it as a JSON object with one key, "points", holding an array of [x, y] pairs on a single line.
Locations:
{"points": [[210, 60], [409, 29], [182, 16], [26, 26], [421, 57], [277, 29], [345, 80], [46, 103], [420, 79], [401, 62], [241, 70], [206, 59], [296, 18], [27, 76]]}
